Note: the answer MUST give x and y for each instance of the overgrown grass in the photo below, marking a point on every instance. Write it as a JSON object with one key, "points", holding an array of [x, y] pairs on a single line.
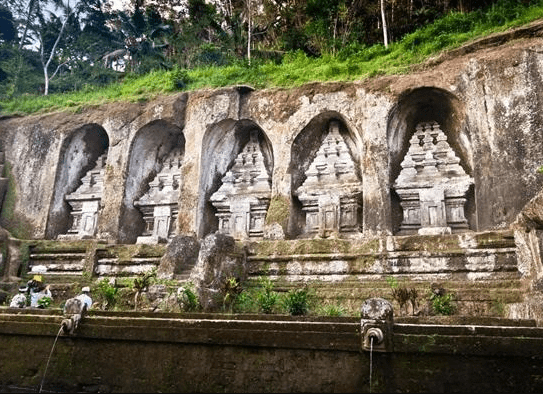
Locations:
{"points": [[352, 63]]}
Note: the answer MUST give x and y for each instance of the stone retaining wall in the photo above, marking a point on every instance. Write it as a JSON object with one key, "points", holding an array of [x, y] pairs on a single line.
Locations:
{"points": [[129, 352]]}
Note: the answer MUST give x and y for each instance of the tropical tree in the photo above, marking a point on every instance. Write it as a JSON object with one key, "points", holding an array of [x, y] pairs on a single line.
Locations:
{"points": [[48, 32], [8, 33]]}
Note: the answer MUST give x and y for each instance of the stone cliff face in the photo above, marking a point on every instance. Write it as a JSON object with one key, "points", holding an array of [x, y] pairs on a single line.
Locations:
{"points": [[485, 99]]}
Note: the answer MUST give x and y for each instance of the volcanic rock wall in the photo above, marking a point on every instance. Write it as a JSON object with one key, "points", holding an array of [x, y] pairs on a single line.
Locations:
{"points": [[486, 103]]}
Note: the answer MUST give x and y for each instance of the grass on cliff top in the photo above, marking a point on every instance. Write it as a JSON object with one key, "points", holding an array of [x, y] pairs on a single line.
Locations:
{"points": [[351, 64]]}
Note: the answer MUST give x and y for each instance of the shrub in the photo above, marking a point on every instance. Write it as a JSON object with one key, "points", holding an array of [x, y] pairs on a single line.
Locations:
{"points": [[187, 298], [442, 304], [267, 297], [332, 310], [231, 289], [296, 301], [44, 302], [107, 292]]}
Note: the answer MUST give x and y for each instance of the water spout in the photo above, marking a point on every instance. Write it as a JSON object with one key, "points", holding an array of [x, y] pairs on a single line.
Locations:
{"points": [[376, 325]]}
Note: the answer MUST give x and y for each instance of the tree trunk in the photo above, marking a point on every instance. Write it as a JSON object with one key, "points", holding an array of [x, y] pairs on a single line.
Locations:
{"points": [[27, 24], [249, 28], [385, 33], [52, 54]]}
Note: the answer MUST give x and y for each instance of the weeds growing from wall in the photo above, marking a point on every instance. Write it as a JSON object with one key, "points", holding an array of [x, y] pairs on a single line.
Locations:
{"points": [[403, 295], [442, 302]]}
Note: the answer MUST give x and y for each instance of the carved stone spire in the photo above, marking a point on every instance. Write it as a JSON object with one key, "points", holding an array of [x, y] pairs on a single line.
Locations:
{"points": [[244, 196], [432, 184], [85, 202], [331, 192], [159, 205]]}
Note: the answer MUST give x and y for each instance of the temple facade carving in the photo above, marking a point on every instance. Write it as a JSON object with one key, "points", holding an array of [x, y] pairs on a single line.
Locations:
{"points": [[432, 184], [332, 191], [243, 198], [85, 202], [159, 205]]}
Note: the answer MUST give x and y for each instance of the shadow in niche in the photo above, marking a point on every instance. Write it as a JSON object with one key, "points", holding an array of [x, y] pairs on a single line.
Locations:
{"points": [[436, 117], [230, 172], [149, 153], [326, 181], [79, 154]]}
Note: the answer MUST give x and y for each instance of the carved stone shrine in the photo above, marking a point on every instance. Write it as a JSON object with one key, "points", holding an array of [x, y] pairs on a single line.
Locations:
{"points": [[332, 190], [159, 205], [85, 202], [244, 196], [432, 185]]}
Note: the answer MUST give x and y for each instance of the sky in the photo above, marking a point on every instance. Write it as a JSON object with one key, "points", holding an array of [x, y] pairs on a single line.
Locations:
{"points": [[117, 4]]}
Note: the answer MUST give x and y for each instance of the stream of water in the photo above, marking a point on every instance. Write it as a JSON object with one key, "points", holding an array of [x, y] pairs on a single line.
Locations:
{"points": [[49, 359], [371, 354]]}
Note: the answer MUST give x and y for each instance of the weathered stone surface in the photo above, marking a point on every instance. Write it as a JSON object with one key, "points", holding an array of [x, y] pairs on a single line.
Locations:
{"points": [[220, 259], [181, 254], [483, 99]]}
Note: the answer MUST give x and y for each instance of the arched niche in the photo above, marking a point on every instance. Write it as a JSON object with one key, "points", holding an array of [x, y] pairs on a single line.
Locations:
{"points": [[221, 147], [417, 107], [343, 197], [78, 155], [151, 147]]}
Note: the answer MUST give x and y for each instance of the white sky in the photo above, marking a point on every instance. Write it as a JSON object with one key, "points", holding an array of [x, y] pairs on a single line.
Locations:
{"points": [[117, 4]]}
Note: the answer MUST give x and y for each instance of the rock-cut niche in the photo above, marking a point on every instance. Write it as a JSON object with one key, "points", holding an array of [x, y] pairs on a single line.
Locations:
{"points": [[151, 198], [235, 187], [79, 184], [432, 190], [326, 181]]}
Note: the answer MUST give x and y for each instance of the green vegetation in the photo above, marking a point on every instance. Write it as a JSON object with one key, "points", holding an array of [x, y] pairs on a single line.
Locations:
{"points": [[187, 298], [353, 61], [442, 304], [142, 282], [44, 302], [230, 291], [267, 298], [106, 293], [297, 301], [332, 310], [403, 295]]}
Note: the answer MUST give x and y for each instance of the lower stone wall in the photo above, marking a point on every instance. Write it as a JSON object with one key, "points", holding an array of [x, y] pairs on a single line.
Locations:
{"points": [[129, 352]]}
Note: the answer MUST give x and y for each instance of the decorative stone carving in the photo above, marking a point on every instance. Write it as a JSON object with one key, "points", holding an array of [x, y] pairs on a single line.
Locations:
{"points": [[159, 205], [332, 191], [85, 202], [432, 185], [244, 196]]}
